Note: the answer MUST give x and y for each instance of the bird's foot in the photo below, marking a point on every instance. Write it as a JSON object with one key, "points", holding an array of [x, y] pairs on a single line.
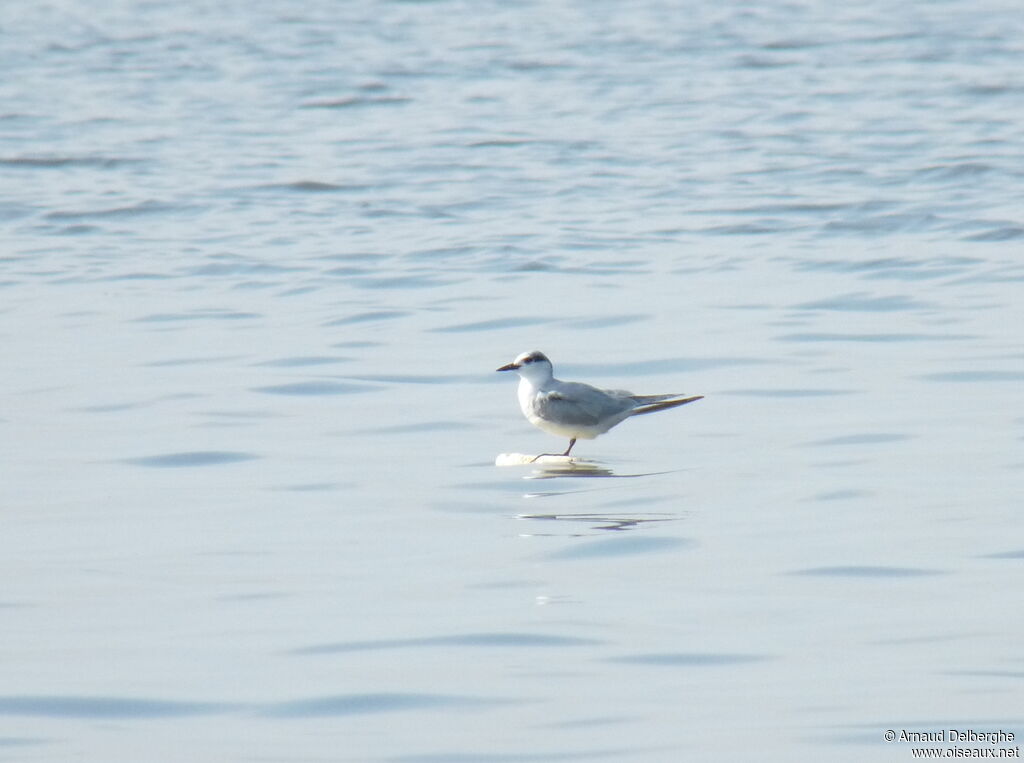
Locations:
{"points": [[541, 455]]}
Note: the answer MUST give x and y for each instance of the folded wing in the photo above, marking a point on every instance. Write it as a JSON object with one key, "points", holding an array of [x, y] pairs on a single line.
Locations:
{"points": [[581, 405]]}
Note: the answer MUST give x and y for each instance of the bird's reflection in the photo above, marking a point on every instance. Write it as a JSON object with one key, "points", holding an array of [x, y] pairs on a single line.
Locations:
{"points": [[575, 468], [549, 467], [598, 521]]}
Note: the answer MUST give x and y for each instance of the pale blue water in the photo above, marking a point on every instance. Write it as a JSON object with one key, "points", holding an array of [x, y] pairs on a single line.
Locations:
{"points": [[259, 263]]}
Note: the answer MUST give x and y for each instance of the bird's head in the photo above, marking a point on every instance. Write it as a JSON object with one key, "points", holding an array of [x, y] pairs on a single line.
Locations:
{"points": [[534, 366]]}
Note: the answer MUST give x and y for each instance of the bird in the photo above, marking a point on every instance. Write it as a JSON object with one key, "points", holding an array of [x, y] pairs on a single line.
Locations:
{"points": [[573, 409]]}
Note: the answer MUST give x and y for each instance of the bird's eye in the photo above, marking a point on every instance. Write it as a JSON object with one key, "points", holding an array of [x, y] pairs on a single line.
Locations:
{"points": [[528, 360]]}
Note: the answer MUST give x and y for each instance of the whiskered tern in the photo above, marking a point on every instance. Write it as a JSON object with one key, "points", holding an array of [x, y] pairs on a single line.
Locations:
{"points": [[576, 410]]}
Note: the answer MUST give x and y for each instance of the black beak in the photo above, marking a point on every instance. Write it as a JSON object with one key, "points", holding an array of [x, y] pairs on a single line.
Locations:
{"points": [[509, 367]]}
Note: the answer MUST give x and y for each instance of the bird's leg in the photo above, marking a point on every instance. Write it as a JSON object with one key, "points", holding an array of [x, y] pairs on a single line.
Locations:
{"points": [[571, 443]]}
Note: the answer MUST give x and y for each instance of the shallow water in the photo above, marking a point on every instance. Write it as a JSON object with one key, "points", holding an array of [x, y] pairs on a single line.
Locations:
{"points": [[260, 264]]}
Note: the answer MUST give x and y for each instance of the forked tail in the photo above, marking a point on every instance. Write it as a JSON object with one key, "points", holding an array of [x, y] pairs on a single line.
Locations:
{"points": [[662, 404]]}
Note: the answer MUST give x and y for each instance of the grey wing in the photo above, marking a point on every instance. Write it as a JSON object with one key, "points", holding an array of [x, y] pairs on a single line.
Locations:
{"points": [[575, 404]]}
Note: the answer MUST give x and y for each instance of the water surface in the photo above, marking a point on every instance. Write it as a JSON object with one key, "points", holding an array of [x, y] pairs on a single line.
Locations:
{"points": [[260, 262]]}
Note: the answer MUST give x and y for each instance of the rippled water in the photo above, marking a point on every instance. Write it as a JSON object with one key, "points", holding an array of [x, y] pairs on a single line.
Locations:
{"points": [[260, 262]]}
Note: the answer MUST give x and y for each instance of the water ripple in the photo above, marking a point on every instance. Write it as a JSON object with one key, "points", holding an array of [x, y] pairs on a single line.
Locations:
{"points": [[306, 388], [972, 377], [691, 659], [666, 365], [317, 186], [131, 210], [879, 337], [621, 545], [193, 361], [488, 640], [869, 438], [22, 741], [422, 426], [363, 704], [605, 321], [110, 708], [1018, 554], [861, 302], [60, 162], [540, 756], [356, 101], [197, 315], [491, 324], [866, 571], [192, 458], [368, 317], [998, 232], [301, 361], [788, 392]]}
